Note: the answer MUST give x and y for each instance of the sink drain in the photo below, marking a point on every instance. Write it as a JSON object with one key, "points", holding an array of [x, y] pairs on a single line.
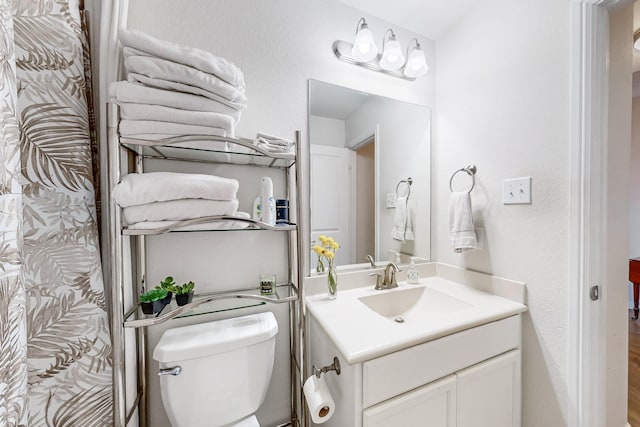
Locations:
{"points": [[398, 320]]}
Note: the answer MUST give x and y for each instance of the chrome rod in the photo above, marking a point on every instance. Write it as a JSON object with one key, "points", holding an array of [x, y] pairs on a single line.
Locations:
{"points": [[174, 370], [115, 238]]}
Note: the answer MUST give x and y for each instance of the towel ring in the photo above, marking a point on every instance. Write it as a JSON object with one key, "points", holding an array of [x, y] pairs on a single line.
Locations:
{"points": [[407, 181], [471, 171]]}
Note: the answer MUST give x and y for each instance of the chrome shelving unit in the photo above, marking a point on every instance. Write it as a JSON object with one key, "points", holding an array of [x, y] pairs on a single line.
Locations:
{"points": [[125, 311]]}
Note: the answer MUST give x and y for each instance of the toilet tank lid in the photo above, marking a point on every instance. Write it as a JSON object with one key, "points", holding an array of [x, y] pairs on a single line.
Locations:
{"points": [[220, 336]]}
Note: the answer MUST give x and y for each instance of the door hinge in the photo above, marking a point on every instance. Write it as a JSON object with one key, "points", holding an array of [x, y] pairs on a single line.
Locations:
{"points": [[594, 293]]}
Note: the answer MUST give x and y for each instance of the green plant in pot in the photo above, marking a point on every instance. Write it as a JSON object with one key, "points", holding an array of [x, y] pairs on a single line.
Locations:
{"points": [[184, 293], [167, 284], [152, 301]]}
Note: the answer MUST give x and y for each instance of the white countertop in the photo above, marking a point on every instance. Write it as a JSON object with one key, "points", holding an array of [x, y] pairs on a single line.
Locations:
{"points": [[362, 334]]}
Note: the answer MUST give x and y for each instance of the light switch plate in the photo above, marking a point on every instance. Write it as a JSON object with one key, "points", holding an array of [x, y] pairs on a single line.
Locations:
{"points": [[391, 200], [516, 191]]}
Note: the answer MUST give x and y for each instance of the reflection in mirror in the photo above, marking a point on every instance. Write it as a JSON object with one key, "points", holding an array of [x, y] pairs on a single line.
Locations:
{"points": [[362, 146]]}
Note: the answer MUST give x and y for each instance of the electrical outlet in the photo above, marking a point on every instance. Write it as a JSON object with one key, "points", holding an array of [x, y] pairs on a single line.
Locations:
{"points": [[516, 191], [391, 200]]}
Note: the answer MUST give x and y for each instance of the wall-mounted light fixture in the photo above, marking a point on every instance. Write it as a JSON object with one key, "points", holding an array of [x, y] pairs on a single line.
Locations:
{"points": [[364, 53]]}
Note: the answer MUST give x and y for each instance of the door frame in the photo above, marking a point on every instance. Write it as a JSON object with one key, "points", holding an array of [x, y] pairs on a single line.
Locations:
{"points": [[586, 362]]}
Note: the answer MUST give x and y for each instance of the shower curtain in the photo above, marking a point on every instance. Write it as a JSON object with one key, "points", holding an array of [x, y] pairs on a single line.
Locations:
{"points": [[59, 350]]}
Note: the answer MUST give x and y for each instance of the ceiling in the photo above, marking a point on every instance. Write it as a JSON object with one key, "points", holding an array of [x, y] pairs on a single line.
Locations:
{"points": [[335, 102], [429, 18]]}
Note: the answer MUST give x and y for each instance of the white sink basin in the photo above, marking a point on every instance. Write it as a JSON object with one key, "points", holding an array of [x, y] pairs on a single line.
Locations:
{"points": [[412, 303]]}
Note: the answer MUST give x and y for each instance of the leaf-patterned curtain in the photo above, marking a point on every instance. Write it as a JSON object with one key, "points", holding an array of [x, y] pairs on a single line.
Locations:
{"points": [[68, 348], [13, 335]]}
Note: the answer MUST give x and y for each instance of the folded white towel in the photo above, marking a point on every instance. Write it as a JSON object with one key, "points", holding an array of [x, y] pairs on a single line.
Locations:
{"points": [[272, 139], [212, 225], [197, 58], [141, 188], [123, 91], [462, 234], [178, 210], [184, 88], [271, 148], [148, 127], [402, 225], [131, 111], [158, 68], [160, 139]]}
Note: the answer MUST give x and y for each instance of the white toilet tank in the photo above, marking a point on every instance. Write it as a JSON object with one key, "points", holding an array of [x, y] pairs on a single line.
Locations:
{"points": [[226, 368]]}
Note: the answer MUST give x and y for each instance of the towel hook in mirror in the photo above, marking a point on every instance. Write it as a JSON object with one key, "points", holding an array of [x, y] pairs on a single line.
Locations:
{"points": [[471, 171], [407, 181]]}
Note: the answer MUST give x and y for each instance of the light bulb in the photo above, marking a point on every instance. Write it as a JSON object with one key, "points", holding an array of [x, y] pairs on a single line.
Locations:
{"points": [[392, 57], [416, 63], [364, 48]]}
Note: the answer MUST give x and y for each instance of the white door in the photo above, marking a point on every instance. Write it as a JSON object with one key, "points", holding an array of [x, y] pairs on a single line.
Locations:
{"points": [[331, 201], [489, 393], [433, 405]]}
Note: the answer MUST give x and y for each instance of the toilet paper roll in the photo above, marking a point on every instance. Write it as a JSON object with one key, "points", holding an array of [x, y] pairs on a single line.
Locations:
{"points": [[319, 400]]}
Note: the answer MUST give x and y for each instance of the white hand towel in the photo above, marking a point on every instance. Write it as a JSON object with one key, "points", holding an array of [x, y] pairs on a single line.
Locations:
{"points": [[402, 227], [462, 234], [184, 88], [146, 127], [178, 210], [131, 111], [214, 225], [197, 58], [130, 92], [158, 68], [141, 188]]}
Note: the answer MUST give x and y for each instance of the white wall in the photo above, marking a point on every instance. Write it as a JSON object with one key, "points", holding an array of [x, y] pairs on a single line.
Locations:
{"points": [[279, 45], [327, 131], [503, 104]]}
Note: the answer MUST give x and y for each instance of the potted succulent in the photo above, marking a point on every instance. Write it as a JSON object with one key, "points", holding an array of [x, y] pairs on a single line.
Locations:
{"points": [[152, 301], [167, 284], [184, 293]]}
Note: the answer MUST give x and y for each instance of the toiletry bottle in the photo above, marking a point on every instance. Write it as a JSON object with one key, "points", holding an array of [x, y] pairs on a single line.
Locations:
{"points": [[267, 204], [412, 273]]}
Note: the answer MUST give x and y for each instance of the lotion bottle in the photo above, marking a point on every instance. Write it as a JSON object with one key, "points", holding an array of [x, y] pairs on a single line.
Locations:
{"points": [[412, 273], [267, 203]]}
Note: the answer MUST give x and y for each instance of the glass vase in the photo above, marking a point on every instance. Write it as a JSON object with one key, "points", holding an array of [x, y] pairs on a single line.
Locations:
{"points": [[332, 281], [320, 266]]}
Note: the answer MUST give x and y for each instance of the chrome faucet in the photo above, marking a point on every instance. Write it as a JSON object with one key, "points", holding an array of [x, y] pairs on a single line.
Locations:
{"points": [[370, 260], [389, 281]]}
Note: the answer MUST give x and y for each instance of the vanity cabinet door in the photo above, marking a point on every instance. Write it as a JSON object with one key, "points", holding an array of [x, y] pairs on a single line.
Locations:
{"points": [[488, 394], [432, 405]]}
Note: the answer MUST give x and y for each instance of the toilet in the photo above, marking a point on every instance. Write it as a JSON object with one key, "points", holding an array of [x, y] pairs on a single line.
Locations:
{"points": [[226, 368]]}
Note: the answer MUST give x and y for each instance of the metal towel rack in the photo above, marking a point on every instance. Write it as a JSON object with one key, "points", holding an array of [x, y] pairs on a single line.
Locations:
{"points": [[407, 181], [471, 171]]}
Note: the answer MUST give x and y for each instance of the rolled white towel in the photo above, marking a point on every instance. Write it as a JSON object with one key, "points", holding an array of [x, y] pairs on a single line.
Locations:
{"points": [[197, 58], [134, 111], [148, 127], [185, 88], [158, 68], [178, 210], [124, 91], [462, 234], [213, 225], [141, 188]]}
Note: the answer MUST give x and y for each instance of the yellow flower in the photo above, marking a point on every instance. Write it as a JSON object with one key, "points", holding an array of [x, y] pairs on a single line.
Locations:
{"points": [[317, 249], [329, 254], [335, 245], [323, 240]]}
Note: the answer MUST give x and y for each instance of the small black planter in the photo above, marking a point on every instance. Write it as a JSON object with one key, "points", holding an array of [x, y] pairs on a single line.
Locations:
{"points": [[167, 299], [183, 299], [152, 307]]}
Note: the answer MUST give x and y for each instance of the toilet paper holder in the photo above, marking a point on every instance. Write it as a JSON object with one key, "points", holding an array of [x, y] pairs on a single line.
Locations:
{"points": [[335, 366]]}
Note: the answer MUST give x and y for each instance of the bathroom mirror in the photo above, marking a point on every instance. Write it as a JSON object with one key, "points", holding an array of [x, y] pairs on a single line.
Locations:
{"points": [[363, 150]]}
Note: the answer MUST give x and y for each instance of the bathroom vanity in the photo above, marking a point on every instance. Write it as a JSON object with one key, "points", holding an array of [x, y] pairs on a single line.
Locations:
{"points": [[440, 353]]}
